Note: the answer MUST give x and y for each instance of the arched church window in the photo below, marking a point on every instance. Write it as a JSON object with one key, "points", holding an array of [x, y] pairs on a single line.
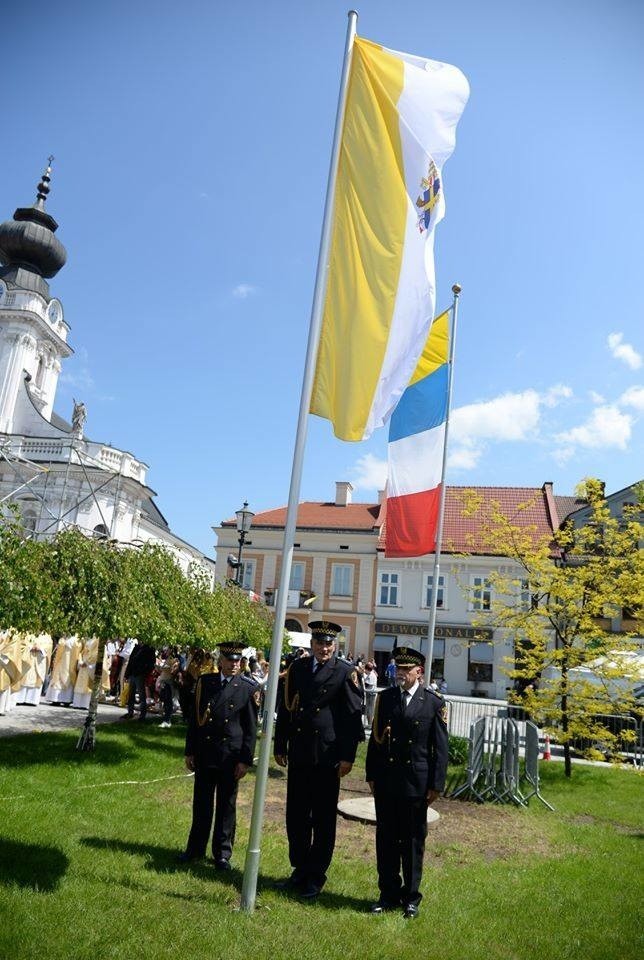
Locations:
{"points": [[29, 518], [294, 625], [100, 531], [40, 373]]}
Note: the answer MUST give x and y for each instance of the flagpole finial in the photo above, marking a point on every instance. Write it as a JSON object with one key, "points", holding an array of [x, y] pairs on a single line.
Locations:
{"points": [[456, 289], [352, 13]]}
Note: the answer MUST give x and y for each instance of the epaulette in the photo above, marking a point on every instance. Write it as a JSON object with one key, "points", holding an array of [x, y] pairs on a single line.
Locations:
{"points": [[250, 680], [439, 696]]}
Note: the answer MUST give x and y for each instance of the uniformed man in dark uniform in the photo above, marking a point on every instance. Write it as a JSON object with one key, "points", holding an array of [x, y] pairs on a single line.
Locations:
{"points": [[219, 748], [319, 725], [406, 768]]}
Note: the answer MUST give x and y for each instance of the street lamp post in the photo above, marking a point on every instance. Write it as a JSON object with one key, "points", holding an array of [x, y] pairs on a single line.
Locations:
{"points": [[244, 520]]}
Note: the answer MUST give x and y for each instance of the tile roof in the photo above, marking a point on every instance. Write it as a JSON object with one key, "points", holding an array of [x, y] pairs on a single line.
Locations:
{"points": [[568, 505], [356, 517], [524, 506]]}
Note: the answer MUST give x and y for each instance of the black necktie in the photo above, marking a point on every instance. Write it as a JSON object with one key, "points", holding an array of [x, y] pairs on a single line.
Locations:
{"points": [[403, 700]]}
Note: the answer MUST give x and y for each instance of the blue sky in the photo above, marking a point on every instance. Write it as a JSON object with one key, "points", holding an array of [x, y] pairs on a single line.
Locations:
{"points": [[192, 144]]}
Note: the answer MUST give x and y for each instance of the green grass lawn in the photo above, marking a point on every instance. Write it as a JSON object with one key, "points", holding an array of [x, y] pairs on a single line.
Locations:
{"points": [[87, 867]]}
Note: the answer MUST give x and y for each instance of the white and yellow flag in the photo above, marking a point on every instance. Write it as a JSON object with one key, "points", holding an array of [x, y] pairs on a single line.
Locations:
{"points": [[399, 129]]}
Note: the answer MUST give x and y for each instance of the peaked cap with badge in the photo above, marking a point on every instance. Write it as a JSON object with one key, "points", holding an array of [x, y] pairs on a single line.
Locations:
{"points": [[324, 628], [408, 657], [232, 649]]}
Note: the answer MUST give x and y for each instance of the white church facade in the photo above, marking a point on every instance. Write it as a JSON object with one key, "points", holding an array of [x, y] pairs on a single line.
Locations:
{"points": [[55, 475]]}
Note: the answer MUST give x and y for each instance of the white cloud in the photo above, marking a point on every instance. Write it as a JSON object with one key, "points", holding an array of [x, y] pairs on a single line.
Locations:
{"points": [[607, 426], [553, 395], [508, 418], [633, 397], [243, 291], [596, 397], [82, 379], [370, 473], [512, 416], [463, 458], [624, 351]]}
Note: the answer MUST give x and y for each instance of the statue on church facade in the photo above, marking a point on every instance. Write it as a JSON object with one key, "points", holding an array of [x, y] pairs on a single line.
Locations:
{"points": [[79, 416]]}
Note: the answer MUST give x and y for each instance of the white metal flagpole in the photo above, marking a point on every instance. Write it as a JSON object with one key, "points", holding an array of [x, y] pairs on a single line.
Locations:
{"points": [[251, 867], [441, 509]]}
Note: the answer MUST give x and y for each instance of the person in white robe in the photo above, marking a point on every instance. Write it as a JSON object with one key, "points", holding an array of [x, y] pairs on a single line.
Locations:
{"points": [[38, 655], [64, 670]]}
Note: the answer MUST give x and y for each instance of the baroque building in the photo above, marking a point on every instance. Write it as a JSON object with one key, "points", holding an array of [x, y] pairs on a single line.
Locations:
{"points": [[56, 475]]}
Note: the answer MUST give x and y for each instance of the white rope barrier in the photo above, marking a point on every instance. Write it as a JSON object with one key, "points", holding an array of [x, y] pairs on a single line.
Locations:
{"points": [[109, 783]]}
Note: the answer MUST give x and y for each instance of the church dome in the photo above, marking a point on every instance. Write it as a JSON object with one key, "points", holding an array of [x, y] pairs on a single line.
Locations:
{"points": [[28, 245]]}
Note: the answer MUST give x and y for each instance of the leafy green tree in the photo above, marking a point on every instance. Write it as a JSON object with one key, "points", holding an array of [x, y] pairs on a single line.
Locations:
{"points": [[559, 604], [74, 584]]}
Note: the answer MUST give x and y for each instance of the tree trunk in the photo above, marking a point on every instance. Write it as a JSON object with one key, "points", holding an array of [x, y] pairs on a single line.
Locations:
{"points": [[87, 739], [564, 718]]}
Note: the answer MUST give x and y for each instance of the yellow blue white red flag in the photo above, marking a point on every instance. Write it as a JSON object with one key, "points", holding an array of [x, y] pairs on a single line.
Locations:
{"points": [[415, 453], [399, 129]]}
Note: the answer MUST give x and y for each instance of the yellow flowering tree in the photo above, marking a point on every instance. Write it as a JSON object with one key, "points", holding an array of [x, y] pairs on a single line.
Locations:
{"points": [[559, 600]]}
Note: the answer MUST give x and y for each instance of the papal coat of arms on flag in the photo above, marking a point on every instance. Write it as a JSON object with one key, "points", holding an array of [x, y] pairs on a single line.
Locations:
{"points": [[431, 188]]}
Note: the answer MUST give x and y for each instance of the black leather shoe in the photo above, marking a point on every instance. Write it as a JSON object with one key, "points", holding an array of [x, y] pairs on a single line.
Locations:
{"points": [[290, 883], [186, 857], [411, 910], [383, 906], [222, 864], [310, 891]]}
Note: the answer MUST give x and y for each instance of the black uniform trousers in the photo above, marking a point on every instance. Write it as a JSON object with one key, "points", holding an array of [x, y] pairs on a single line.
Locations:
{"points": [[401, 828], [311, 814], [209, 780]]}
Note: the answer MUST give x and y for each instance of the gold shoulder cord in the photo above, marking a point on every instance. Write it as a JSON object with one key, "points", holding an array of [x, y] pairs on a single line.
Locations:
{"points": [[291, 703], [205, 716], [379, 737]]}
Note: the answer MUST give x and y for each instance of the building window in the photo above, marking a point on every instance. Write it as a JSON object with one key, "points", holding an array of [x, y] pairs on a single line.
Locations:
{"points": [[481, 593], [480, 661], [247, 575], [40, 373], [100, 531], [29, 521], [438, 659], [341, 579], [388, 590], [297, 576], [441, 596]]}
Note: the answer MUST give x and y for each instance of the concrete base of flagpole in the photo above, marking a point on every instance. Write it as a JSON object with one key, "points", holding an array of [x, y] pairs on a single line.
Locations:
{"points": [[364, 810]]}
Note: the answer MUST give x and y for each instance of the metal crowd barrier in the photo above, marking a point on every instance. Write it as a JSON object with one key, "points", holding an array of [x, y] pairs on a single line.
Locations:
{"points": [[628, 733], [493, 765]]}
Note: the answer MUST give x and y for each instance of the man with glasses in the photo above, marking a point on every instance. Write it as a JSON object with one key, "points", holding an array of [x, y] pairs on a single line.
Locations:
{"points": [[219, 749], [406, 769], [319, 726]]}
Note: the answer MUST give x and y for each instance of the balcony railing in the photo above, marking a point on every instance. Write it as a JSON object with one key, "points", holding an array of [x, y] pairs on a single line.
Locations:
{"points": [[296, 598]]}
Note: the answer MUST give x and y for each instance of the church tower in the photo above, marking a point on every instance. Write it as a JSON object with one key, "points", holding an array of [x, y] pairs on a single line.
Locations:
{"points": [[33, 332]]}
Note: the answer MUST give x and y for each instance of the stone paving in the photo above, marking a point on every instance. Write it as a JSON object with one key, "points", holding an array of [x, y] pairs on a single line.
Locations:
{"points": [[46, 718]]}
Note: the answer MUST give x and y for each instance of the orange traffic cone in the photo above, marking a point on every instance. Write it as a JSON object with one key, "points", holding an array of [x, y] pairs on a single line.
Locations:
{"points": [[546, 748]]}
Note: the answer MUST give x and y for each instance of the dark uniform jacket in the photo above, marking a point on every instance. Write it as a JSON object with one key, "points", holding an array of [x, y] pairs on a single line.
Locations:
{"points": [[407, 752], [223, 727], [319, 720], [142, 661]]}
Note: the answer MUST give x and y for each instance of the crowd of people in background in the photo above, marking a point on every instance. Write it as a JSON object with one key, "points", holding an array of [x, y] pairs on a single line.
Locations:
{"points": [[145, 681]]}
